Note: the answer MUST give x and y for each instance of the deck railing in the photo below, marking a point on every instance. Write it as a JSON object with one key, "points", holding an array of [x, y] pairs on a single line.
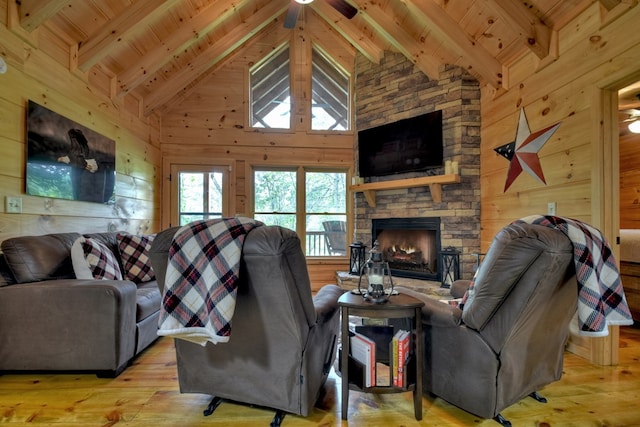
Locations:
{"points": [[317, 244]]}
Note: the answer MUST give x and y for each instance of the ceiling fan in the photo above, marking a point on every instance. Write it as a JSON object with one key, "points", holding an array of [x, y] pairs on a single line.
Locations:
{"points": [[294, 10], [631, 117]]}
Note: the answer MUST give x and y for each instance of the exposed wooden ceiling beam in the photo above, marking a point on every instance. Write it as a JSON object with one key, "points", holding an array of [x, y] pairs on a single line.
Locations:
{"points": [[613, 9], [114, 32], [533, 33], [34, 12], [214, 54], [190, 32], [184, 93], [447, 30], [609, 4], [347, 29], [390, 29]]}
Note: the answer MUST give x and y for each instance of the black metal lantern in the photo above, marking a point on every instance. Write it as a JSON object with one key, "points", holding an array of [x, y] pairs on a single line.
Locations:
{"points": [[450, 261], [356, 261], [377, 276]]}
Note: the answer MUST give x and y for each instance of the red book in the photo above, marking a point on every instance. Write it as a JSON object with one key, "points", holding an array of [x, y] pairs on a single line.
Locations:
{"points": [[403, 353]]}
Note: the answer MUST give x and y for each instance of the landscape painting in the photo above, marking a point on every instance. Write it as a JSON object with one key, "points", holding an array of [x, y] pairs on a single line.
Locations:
{"points": [[66, 160]]}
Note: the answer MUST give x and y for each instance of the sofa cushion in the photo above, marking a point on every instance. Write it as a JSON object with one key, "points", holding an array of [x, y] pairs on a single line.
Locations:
{"points": [[147, 300], [37, 258], [94, 260], [134, 254]]}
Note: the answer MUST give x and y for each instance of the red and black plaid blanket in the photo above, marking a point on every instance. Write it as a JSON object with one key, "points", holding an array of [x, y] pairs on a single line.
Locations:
{"points": [[201, 280], [601, 299]]}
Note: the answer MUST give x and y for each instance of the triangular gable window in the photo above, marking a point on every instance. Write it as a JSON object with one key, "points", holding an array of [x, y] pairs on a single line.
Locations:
{"points": [[271, 92], [330, 94]]}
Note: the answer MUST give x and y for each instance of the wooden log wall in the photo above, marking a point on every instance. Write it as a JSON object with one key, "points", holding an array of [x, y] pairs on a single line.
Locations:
{"points": [[32, 75], [210, 125], [580, 161]]}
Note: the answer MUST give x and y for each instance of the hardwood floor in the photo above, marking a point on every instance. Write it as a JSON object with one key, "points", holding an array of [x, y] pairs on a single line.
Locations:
{"points": [[146, 394]]}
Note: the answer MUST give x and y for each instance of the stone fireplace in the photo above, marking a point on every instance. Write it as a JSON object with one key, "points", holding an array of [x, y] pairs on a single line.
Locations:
{"points": [[411, 246], [395, 89]]}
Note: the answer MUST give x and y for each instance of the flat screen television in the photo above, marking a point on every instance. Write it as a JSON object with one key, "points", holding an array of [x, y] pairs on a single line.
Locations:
{"points": [[408, 145]]}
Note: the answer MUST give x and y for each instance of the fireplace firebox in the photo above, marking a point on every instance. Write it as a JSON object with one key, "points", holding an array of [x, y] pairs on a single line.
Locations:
{"points": [[411, 246]]}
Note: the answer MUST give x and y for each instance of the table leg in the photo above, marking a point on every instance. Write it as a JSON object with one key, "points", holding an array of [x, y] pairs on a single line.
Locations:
{"points": [[417, 393], [344, 362]]}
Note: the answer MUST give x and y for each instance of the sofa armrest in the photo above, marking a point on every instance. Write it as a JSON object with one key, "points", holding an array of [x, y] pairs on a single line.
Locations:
{"points": [[434, 312], [67, 324], [326, 302]]}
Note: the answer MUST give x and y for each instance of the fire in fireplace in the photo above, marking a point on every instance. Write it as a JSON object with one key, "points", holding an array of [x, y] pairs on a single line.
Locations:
{"points": [[410, 245]]}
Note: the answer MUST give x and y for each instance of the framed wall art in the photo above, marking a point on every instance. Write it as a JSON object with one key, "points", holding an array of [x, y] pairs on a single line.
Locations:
{"points": [[66, 160]]}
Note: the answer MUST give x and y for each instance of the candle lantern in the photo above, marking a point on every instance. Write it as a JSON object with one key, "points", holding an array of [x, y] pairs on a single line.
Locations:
{"points": [[377, 275], [450, 261], [356, 260]]}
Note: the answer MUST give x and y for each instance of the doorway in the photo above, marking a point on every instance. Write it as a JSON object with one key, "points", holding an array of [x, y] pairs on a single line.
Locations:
{"points": [[629, 155]]}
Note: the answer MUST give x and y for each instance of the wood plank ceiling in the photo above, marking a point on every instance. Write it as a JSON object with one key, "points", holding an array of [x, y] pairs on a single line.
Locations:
{"points": [[157, 50]]}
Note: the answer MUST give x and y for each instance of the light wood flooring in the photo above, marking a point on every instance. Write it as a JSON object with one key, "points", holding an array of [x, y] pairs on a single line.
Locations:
{"points": [[146, 394]]}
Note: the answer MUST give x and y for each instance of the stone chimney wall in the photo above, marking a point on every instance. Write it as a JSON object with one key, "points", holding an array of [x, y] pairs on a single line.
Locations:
{"points": [[396, 89]]}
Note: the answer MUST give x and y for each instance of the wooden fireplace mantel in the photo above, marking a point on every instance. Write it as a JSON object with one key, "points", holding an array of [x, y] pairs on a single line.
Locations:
{"points": [[434, 182]]}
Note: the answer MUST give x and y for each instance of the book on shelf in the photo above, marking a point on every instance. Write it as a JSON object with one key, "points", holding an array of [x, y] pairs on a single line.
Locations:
{"points": [[394, 357], [381, 335], [363, 349], [400, 346]]}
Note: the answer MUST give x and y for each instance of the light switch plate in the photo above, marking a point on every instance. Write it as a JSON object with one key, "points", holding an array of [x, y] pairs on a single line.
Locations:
{"points": [[13, 204], [551, 208]]}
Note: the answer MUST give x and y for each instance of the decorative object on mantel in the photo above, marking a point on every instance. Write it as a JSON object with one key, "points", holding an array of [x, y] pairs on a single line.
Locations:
{"points": [[356, 259], [523, 152], [450, 261], [378, 278]]}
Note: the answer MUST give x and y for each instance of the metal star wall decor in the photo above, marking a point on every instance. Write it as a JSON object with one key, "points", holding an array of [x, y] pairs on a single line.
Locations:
{"points": [[523, 152]]}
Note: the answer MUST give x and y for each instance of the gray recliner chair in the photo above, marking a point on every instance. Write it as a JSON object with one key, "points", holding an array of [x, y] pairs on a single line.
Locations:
{"points": [[510, 337], [283, 339]]}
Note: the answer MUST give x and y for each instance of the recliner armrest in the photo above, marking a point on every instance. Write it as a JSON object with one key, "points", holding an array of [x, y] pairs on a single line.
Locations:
{"points": [[459, 288], [326, 302], [435, 312]]}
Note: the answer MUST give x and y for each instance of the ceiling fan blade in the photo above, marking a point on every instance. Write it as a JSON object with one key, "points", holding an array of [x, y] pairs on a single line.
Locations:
{"points": [[344, 8], [292, 15]]}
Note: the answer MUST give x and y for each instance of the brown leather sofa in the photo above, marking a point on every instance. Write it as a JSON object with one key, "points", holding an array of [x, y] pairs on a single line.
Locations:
{"points": [[283, 339], [509, 339], [51, 321]]}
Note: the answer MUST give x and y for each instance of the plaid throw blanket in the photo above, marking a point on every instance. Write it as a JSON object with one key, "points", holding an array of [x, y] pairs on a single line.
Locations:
{"points": [[200, 288], [601, 299]]}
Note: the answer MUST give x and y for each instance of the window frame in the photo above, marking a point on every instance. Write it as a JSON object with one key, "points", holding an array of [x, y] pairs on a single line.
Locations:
{"points": [[301, 209], [327, 58], [298, 93], [264, 61], [174, 191]]}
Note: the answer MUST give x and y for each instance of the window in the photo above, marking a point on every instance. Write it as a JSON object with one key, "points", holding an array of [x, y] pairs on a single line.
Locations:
{"points": [[330, 94], [270, 92], [311, 202], [275, 197], [326, 213], [272, 97], [198, 192]]}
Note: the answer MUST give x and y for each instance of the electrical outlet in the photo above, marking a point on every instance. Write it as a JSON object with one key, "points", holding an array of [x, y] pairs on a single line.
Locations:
{"points": [[551, 208], [13, 205]]}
